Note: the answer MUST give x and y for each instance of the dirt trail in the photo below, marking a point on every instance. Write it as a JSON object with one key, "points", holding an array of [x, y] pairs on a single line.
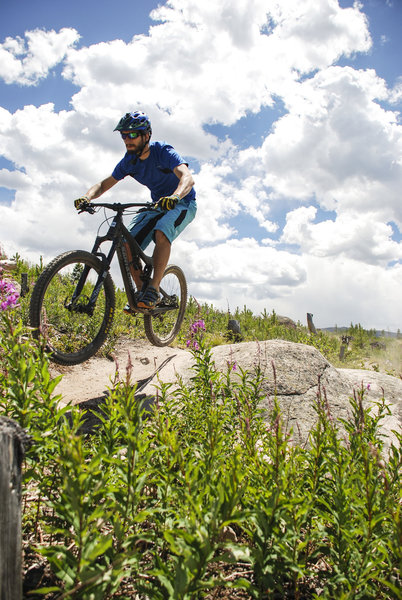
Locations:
{"points": [[91, 380]]}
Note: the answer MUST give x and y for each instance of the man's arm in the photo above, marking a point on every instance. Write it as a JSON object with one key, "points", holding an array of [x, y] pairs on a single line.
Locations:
{"points": [[186, 180], [100, 188]]}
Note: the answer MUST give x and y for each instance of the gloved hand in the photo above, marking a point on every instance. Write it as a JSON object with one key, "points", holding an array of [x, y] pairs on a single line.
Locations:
{"points": [[168, 202], [80, 201]]}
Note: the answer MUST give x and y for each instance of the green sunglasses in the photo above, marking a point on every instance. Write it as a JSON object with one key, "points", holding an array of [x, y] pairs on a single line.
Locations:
{"points": [[131, 135]]}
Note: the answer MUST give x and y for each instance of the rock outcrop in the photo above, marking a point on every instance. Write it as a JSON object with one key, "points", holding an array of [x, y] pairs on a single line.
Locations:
{"points": [[295, 373]]}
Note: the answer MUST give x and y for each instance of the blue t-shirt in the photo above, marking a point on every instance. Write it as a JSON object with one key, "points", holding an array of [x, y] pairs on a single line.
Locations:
{"points": [[156, 171]]}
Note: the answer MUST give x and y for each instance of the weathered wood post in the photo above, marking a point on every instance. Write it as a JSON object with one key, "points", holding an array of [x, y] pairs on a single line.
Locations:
{"points": [[344, 346], [310, 324], [24, 284], [13, 443]]}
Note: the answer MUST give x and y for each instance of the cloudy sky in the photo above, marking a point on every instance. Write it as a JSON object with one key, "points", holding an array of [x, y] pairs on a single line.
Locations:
{"points": [[288, 112]]}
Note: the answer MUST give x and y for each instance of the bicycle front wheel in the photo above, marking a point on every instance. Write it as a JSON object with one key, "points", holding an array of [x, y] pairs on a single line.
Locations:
{"points": [[163, 324], [73, 327]]}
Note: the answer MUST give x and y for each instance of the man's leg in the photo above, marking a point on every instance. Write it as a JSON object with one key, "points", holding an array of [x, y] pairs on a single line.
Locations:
{"points": [[135, 273], [149, 298], [142, 228], [160, 257]]}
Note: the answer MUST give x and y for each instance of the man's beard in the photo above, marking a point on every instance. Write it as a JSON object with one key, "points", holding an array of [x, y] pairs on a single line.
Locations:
{"points": [[139, 151]]}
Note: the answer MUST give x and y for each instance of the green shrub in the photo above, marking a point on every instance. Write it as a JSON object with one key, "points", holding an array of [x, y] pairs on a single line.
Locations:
{"points": [[201, 493]]}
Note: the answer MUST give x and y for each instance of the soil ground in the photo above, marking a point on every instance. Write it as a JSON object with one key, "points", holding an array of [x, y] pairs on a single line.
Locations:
{"points": [[137, 358]]}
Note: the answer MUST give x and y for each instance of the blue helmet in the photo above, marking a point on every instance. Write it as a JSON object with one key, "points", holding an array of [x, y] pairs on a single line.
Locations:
{"points": [[135, 121]]}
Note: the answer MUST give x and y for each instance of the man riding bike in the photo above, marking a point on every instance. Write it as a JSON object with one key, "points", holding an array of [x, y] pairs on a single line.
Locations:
{"points": [[160, 168]]}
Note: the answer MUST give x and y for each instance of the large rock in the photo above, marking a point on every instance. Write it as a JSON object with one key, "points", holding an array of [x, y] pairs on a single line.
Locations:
{"points": [[295, 373], [8, 265]]}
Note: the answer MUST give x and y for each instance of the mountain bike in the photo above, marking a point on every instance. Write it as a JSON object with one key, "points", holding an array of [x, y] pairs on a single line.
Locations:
{"points": [[73, 302]]}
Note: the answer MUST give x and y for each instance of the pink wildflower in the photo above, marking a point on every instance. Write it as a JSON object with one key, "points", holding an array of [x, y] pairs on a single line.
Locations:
{"points": [[196, 330], [197, 326], [193, 344], [8, 295]]}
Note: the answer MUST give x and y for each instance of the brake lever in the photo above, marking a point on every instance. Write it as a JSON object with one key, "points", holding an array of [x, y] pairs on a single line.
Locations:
{"points": [[87, 208]]}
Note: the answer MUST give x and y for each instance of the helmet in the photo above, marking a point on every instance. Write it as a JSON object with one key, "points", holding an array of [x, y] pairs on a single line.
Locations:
{"points": [[135, 121]]}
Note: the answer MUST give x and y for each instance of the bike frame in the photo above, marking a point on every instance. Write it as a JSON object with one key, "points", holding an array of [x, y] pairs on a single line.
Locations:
{"points": [[118, 234]]}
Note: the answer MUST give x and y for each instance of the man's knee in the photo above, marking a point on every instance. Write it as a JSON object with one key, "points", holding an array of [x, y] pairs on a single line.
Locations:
{"points": [[160, 238]]}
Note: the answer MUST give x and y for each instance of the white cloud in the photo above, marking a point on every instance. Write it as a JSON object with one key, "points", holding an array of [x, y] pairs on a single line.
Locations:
{"points": [[357, 236], [342, 290], [232, 269], [337, 144], [396, 92], [13, 180], [316, 34], [215, 205], [26, 63], [338, 290], [230, 66]]}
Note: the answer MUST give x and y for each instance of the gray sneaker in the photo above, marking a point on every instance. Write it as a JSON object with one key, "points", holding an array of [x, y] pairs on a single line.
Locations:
{"points": [[148, 299], [132, 311]]}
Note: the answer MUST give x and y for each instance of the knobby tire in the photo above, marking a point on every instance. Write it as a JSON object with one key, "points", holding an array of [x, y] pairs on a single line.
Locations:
{"points": [[71, 337], [161, 329]]}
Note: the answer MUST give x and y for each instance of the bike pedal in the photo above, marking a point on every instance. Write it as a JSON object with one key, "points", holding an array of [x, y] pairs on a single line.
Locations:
{"points": [[130, 311], [145, 311]]}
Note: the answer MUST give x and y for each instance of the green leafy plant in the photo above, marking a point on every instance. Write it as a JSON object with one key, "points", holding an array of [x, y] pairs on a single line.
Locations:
{"points": [[197, 493]]}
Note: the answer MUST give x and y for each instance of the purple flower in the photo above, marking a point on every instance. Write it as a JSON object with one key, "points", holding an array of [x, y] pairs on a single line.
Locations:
{"points": [[197, 326], [196, 330], [192, 344], [8, 295]]}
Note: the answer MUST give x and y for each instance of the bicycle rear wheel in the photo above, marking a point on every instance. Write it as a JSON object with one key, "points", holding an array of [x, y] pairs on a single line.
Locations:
{"points": [[73, 332], [164, 322]]}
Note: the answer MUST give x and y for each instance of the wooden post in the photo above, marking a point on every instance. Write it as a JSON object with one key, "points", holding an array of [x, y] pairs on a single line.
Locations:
{"points": [[13, 442], [344, 346], [24, 284], [310, 324]]}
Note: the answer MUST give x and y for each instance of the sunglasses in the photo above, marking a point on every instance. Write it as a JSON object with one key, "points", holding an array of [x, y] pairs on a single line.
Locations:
{"points": [[131, 135]]}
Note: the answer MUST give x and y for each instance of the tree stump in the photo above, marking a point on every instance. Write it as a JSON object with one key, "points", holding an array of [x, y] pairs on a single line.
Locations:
{"points": [[233, 331], [13, 443]]}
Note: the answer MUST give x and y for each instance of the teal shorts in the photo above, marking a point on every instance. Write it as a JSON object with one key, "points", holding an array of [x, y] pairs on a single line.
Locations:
{"points": [[170, 222]]}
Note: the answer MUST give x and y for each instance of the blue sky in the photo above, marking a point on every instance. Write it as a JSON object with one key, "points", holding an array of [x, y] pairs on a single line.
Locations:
{"points": [[288, 113]]}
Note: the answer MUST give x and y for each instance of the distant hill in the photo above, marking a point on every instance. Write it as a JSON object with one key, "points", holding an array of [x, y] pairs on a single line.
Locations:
{"points": [[379, 333]]}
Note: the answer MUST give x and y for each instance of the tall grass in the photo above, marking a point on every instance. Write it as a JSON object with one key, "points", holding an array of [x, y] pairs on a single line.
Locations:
{"points": [[201, 495]]}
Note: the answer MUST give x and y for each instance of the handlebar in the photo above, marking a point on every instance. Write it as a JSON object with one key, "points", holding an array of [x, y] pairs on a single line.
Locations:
{"points": [[90, 207]]}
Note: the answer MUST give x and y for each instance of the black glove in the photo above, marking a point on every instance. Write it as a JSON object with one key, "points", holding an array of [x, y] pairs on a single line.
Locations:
{"points": [[80, 201], [168, 202]]}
